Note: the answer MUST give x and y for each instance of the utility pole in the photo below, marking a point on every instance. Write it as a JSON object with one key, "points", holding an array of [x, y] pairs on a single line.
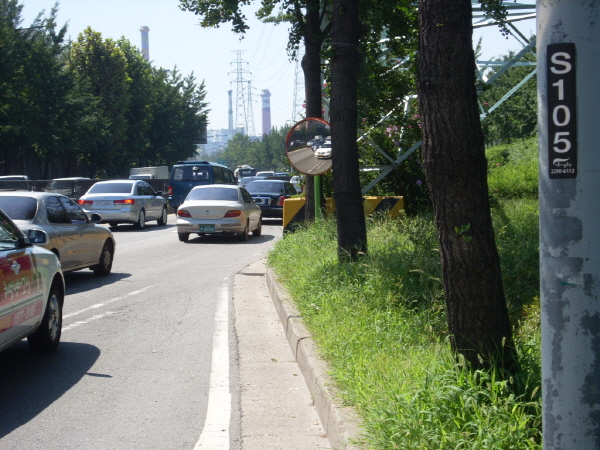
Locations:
{"points": [[569, 154]]}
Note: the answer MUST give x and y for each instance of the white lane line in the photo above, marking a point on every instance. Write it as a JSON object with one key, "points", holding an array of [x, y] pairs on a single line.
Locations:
{"points": [[89, 320], [215, 434], [112, 300]]}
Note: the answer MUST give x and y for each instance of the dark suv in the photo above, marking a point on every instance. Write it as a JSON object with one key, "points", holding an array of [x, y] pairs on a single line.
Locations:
{"points": [[187, 174], [270, 195]]}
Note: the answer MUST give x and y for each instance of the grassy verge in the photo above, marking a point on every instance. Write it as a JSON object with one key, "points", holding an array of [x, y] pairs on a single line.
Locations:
{"points": [[381, 326]]}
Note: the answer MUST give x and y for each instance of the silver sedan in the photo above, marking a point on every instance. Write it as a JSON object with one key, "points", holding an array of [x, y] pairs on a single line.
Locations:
{"points": [[57, 223], [125, 201], [218, 209]]}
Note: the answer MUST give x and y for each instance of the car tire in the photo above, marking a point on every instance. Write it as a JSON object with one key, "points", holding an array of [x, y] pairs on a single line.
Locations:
{"points": [[162, 221], [258, 230], [141, 222], [47, 337], [104, 265], [243, 236], [183, 237]]}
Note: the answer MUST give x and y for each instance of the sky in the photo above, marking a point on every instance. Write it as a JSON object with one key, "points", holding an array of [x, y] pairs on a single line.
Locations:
{"points": [[177, 40]]}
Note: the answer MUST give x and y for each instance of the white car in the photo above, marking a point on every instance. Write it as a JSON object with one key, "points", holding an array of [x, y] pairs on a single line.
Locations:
{"points": [[218, 209], [125, 201], [324, 151], [32, 291]]}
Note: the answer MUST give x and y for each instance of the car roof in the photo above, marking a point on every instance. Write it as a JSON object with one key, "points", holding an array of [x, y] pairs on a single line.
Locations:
{"points": [[269, 180], [228, 186], [118, 181], [34, 194], [198, 163]]}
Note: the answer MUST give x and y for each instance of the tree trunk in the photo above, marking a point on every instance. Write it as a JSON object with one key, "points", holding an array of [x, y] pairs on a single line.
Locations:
{"points": [[456, 170], [351, 228], [311, 66]]}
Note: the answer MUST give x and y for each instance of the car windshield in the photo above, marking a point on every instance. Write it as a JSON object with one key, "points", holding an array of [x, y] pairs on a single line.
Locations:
{"points": [[214, 193], [111, 188], [256, 187], [19, 208]]}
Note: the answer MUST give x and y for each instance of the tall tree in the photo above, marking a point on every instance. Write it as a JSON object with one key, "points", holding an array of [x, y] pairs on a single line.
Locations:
{"points": [[345, 62], [456, 170], [101, 70]]}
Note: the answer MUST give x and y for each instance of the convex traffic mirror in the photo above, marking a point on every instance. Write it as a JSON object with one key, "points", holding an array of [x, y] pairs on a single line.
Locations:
{"points": [[308, 146]]}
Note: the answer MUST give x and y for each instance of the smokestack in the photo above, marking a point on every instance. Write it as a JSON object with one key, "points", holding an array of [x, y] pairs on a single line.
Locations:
{"points": [[230, 114], [266, 111], [145, 47]]}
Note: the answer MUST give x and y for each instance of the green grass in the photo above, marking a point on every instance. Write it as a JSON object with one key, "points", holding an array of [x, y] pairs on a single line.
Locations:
{"points": [[380, 324]]}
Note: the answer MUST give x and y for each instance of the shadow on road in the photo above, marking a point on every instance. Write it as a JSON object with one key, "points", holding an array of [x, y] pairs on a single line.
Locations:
{"points": [[30, 382]]}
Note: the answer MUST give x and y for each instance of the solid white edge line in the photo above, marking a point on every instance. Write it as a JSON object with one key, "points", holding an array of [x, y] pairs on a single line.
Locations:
{"points": [[215, 434]]}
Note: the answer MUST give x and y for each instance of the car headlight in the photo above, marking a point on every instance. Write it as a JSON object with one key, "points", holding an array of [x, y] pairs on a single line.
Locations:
{"points": [[36, 236]]}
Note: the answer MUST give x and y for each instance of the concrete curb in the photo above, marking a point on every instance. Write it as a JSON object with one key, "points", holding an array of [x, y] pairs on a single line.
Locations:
{"points": [[340, 423]]}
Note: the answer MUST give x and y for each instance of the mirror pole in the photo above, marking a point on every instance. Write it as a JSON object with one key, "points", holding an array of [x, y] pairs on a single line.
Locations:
{"points": [[317, 193]]}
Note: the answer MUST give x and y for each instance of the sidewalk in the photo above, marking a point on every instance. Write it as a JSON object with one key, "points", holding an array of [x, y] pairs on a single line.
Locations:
{"points": [[285, 402]]}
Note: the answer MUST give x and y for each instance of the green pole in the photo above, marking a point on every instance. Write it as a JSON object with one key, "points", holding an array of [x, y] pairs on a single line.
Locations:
{"points": [[317, 196]]}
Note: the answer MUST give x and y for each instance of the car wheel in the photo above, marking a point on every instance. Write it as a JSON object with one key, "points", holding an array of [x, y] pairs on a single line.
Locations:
{"points": [[141, 223], [183, 237], [243, 236], [258, 231], [47, 337], [163, 217], [104, 266]]}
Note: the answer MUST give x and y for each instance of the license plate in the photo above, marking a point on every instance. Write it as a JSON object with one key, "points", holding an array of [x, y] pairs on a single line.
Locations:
{"points": [[207, 228], [103, 204]]}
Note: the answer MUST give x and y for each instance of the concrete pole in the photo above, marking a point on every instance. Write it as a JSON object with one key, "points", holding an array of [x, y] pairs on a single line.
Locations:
{"points": [[569, 99]]}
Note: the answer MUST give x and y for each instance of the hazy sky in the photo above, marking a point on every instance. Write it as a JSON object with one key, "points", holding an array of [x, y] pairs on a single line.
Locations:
{"points": [[176, 39]]}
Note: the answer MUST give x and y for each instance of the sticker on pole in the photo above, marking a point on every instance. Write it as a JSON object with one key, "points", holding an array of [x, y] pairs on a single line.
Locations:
{"points": [[562, 110]]}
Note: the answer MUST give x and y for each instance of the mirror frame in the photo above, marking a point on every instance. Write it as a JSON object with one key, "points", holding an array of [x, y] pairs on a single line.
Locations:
{"points": [[296, 141]]}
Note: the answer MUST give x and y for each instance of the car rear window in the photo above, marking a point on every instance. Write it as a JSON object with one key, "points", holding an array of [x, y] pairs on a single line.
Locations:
{"points": [[191, 173], [257, 187], [214, 193], [111, 188], [19, 208]]}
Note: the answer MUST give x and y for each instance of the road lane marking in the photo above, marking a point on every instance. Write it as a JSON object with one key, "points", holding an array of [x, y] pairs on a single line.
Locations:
{"points": [[215, 434], [112, 300], [86, 321]]}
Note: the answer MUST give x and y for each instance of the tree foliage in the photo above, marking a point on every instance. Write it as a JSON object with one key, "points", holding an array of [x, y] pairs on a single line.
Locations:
{"points": [[267, 154], [515, 118], [93, 107]]}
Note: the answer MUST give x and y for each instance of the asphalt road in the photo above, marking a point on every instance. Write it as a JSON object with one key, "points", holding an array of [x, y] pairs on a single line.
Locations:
{"points": [[139, 357]]}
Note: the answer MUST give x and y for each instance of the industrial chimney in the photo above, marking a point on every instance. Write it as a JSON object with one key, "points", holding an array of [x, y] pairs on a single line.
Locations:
{"points": [[145, 47], [266, 111], [230, 114]]}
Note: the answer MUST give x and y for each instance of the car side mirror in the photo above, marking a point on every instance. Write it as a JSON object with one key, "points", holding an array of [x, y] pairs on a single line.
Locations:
{"points": [[37, 237], [159, 193], [95, 218]]}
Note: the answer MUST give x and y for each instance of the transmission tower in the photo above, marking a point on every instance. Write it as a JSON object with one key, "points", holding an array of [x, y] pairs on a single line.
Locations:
{"points": [[243, 106], [299, 108]]}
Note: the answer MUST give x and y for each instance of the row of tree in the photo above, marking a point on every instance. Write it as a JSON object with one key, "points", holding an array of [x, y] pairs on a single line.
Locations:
{"points": [[94, 107], [265, 154]]}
